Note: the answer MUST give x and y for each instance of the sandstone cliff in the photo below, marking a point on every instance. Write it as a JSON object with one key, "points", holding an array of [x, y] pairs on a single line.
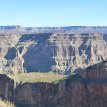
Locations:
{"points": [[87, 89], [60, 53]]}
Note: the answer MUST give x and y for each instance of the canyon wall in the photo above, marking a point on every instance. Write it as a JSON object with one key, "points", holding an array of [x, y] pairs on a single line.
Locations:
{"points": [[57, 53], [86, 89]]}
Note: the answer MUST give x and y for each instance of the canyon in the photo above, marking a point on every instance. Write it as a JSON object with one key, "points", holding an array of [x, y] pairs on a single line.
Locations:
{"points": [[87, 88], [54, 66], [59, 53]]}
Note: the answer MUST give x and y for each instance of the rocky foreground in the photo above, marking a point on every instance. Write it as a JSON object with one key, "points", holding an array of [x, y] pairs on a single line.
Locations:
{"points": [[88, 88]]}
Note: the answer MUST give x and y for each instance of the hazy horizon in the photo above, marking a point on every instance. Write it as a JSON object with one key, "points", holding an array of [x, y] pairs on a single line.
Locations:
{"points": [[57, 26]]}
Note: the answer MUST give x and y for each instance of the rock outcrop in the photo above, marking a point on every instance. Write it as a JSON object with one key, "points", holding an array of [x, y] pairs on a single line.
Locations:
{"points": [[87, 89], [43, 52]]}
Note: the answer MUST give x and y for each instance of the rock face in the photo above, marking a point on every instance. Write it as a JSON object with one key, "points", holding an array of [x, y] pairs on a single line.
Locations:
{"points": [[11, 60], [87, 89], [43, 52]]}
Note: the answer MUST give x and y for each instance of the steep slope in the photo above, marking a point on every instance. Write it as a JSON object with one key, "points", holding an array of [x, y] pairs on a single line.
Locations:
{"points": [[44, 52], [87, 89]]}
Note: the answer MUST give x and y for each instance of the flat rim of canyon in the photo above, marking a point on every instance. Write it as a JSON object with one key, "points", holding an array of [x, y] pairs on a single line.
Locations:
{"points": [[33, 77]]}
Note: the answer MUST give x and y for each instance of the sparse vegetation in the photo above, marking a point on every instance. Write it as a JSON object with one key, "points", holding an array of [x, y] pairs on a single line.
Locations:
{"points": [[37, 77]]}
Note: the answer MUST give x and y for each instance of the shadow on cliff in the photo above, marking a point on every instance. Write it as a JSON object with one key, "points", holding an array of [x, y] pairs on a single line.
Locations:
{"points": [[38, 57]]}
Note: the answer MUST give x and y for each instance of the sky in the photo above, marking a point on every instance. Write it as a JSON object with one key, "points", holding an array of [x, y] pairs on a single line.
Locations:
{"points": [[40, 13]]}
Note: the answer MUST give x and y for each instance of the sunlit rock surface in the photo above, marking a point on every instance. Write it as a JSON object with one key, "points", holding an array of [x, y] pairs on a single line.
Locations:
{"points": [[60, 53]]}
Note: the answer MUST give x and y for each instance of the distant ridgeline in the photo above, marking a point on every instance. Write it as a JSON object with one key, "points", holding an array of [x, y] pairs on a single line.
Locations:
{"points": [[67, 29]]}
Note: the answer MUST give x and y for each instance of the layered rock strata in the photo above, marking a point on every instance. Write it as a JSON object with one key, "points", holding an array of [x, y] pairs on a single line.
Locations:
{"points": [[57, 53], [87, 89]]}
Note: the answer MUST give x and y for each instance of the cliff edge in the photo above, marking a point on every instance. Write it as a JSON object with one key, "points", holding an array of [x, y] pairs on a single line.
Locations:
{"points": [[87, 89]]}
